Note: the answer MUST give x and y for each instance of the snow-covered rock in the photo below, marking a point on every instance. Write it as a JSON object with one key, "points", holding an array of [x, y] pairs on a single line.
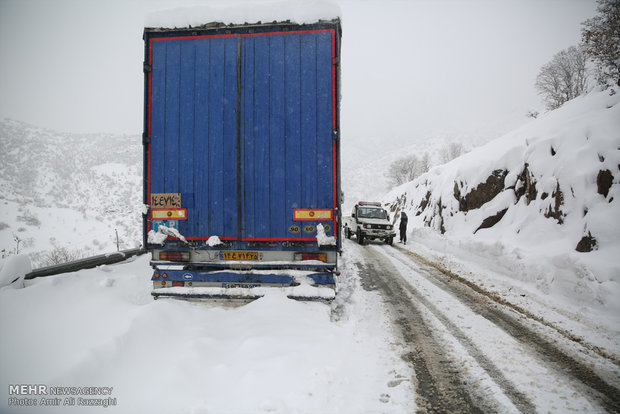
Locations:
{"points": [[14, 268], [214, 241], [162, 233], [322, 239]]}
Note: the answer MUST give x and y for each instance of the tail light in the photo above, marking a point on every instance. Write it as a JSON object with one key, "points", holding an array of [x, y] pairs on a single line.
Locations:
{"points": [[322, 257], [178, 284], [174, 256]]}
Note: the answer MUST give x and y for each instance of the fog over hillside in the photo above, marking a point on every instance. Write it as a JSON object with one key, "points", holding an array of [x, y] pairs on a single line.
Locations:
{"points": [[68, 190]]}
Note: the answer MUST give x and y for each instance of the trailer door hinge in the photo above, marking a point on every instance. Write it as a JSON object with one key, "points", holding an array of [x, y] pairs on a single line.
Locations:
{"points": [[335, 134], [145, 139], [146, 68]]}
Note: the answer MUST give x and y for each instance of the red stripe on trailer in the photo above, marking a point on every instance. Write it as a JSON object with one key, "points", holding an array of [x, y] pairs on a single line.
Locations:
{"points": [[334, 147], [334, 120]]}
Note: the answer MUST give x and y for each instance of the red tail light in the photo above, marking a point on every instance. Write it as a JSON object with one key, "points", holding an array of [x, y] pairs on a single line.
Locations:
{"points": [[322, 257], [178, 284], [174, 256]]}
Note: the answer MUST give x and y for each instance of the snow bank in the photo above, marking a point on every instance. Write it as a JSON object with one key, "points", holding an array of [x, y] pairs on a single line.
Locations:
{"points": [[14, 267], [214, 241], [322, 239], [301, 12], [162, 233], [543, 201]]}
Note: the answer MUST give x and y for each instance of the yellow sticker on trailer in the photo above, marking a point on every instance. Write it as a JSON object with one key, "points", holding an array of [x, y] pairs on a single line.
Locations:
{"points": [[169, 214], [312, 214]]}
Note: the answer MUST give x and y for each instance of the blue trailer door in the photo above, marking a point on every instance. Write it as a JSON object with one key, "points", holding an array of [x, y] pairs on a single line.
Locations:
{"points": [[193, 129], [286, 128], [240, 125]]}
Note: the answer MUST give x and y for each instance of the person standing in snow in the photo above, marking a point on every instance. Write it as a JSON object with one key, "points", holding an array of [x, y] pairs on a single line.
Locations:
{"points": [[403, 227]]}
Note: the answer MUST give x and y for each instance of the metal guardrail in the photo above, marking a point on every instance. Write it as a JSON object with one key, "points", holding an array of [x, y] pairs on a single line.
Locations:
{"points": [[85, 263]]}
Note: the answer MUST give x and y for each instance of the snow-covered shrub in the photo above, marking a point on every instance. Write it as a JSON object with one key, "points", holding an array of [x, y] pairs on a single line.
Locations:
{"points": [[29, 218], [60, 255]]}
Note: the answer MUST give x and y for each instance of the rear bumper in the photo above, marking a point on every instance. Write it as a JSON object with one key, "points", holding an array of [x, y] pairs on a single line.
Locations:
{"points": [[242, 285], [204, 278], [321, 294], [379, 234]]}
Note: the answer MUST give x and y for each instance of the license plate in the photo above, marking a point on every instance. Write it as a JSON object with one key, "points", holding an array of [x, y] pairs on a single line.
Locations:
{"points": [[240, 285], [238, 255]]}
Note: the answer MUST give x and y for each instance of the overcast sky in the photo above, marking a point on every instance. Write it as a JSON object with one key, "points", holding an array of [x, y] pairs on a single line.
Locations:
{"points": [[408, 66]]}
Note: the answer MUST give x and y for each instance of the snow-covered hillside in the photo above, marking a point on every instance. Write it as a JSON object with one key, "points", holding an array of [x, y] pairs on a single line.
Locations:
{"points": [[67, 190], [365, 163], [543, 200]]}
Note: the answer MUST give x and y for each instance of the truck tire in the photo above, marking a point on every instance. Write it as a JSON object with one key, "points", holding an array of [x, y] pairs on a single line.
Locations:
{"points": [[347, 232], [389, 240], [360, 237]]}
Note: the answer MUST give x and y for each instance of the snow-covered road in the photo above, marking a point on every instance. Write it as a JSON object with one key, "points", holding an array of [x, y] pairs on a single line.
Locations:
{"points": [[473, 351], [405, 334]]}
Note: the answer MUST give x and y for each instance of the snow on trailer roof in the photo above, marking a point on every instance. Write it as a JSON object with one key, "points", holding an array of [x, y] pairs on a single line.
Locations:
{"points": [[299, 12]]}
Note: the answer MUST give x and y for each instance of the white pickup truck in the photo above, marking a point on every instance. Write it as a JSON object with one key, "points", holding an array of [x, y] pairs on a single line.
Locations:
{"points": [[369, 221]]}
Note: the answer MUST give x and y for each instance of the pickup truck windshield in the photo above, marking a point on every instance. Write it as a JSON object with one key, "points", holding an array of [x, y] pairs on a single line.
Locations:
{"points": [[375, 213]]}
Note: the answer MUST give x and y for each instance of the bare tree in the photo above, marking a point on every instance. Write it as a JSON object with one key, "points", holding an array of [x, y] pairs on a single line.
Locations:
{"points": [[425, 163], [17, 240], [408, 169], [451, 151], [563, 78], [600, 37], [532, 113], [403, 170]]}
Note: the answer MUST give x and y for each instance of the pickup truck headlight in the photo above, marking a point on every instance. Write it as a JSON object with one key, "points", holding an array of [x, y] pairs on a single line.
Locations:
{"points": [[366, 226], [390, 227]]}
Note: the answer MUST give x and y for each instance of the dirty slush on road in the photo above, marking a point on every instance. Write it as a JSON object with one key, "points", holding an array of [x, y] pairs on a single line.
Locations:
{"points": [[440, 379]]}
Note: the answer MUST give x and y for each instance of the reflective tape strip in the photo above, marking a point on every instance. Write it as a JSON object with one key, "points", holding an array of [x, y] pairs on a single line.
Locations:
{"points": [[169, 214], [312, 214]]}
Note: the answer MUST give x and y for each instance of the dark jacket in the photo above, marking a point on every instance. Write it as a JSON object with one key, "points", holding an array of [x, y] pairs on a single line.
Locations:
{"points": [[403, 221]]}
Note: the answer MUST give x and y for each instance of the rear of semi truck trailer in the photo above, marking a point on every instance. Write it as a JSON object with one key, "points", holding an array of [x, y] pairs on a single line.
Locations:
{"points": [[241, 159]]}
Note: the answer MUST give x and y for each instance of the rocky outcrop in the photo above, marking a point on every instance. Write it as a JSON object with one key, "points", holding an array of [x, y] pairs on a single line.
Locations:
{"points": [[555, 211], [423, 203], [604, 180], [586, 244], [526, 185], [492, 220], [483, 193]]}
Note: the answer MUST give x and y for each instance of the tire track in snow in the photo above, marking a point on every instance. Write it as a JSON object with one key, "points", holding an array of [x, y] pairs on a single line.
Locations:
{"points": [[589, 381], [497, 298], [439, 384]]}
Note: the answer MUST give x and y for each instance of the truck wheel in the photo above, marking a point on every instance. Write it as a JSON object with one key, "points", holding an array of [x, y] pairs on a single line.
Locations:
{"points": [[347, 232], [360, 237], [389, 240]]}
